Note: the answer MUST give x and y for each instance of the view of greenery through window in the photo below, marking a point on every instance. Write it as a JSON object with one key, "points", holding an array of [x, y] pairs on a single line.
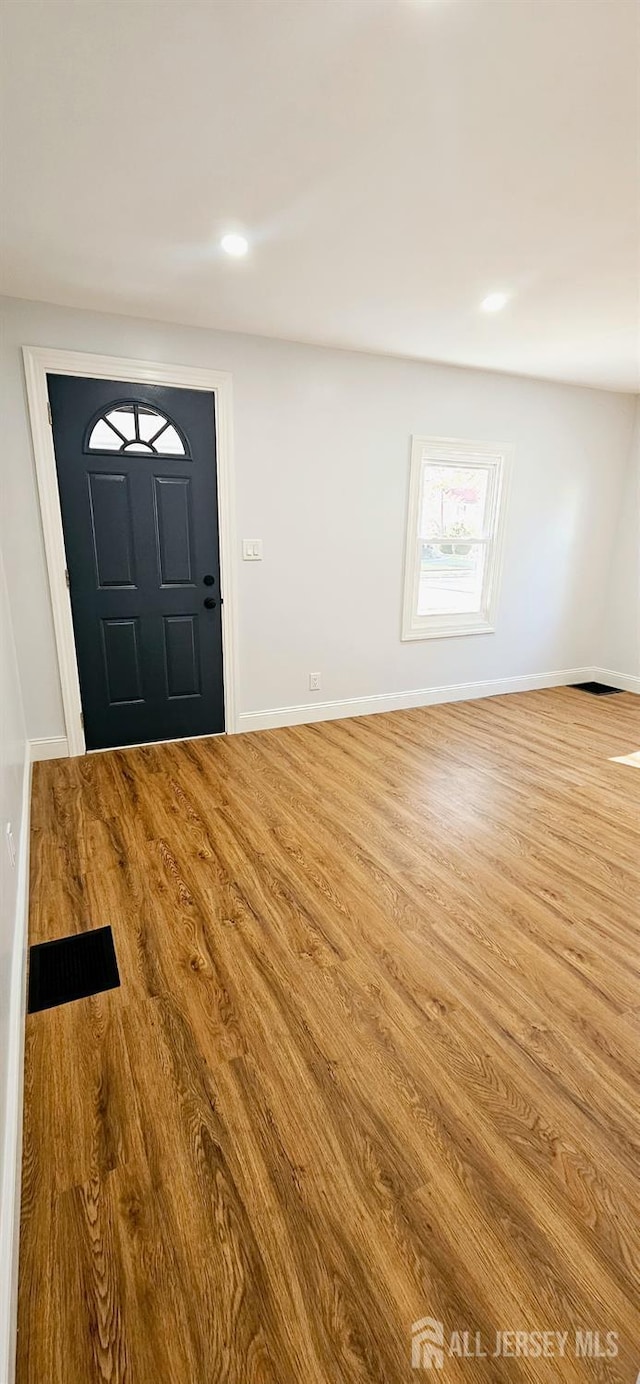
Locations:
{"points": [[454, 505]]}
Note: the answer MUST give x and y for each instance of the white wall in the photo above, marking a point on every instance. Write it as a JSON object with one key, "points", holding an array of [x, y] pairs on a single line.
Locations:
{"points": [[322, 464], [12, 753], [620, 637], [12, 757]]}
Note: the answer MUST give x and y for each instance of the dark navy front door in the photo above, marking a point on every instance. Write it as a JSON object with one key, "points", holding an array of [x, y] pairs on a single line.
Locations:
{"points": [[137, 478]]}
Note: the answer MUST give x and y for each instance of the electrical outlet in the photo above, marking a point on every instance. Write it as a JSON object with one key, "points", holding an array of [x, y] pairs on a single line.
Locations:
{"points": [[314, 682], [11, 845]]}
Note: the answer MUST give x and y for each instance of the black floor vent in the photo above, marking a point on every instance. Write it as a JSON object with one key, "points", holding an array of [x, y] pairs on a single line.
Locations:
{"points": [[71, 968], [597, 689]]}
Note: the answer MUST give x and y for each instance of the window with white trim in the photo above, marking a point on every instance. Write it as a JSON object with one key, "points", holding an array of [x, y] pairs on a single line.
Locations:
{"points": [[453, 537]]}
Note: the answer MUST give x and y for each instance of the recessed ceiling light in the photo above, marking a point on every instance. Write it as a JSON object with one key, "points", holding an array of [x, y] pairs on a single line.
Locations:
{"points": [[494, 302], [236, 245]]}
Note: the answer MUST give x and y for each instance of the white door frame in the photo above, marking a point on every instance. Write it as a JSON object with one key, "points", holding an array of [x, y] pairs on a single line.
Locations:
{"points": [[40, 361]]}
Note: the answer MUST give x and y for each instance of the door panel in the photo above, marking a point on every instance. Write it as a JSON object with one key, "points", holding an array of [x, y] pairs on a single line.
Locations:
{"points": [[122, 662], [182, 655], [137, 480], [112, 531], [174, 530]]}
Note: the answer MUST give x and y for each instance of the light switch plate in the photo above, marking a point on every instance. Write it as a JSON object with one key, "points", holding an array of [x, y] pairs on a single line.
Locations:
{"points": [[252, 550]]}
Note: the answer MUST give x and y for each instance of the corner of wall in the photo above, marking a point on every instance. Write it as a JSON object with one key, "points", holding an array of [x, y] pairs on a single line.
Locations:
{"points": [[618, 651], [10, 1185], [15, 798]]}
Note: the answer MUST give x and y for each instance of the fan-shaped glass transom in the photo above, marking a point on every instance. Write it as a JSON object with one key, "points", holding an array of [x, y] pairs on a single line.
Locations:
{"points": [[136, 428]]}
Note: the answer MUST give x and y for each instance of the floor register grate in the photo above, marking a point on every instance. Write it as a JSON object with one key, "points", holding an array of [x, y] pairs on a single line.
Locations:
{"points": [[72, 968], [597, 689]]}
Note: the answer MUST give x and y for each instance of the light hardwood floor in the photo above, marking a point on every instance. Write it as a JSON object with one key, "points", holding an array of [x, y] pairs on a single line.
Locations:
{"points": [[374, 1056]]}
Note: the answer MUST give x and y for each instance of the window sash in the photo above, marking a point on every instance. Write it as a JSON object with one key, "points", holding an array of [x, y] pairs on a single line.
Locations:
{"points": [[483, 541]]}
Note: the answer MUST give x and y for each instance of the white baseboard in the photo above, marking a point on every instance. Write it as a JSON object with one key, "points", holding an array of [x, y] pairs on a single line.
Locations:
{"points": [[626, 681], [55, 748], [12, 1162], [402, 701]]}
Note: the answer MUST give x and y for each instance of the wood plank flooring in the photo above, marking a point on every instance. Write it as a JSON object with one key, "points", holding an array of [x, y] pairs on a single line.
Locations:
{"points": [[374, 1057]]}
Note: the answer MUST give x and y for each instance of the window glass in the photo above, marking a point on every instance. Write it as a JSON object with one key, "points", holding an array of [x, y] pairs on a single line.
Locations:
{"points": [[451, 568], [454, 501], [136, 428]]}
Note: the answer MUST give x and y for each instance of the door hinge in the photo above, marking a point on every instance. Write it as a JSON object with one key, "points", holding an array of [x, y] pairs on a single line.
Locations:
{"points": [[66, 577], [49, 414], [82, 719]]}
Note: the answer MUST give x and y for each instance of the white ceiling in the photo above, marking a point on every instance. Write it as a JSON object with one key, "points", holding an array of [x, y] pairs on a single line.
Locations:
{"points": [[391, 161]]}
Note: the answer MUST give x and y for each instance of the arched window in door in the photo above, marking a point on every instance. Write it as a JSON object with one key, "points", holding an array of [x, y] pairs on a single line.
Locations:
{"points": [[132, 427]]}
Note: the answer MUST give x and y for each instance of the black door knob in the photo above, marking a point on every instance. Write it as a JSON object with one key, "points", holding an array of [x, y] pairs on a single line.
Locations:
{"points": [[209, 580], [209, 603]]}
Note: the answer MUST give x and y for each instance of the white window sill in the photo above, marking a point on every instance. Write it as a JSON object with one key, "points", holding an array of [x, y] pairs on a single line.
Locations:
{"points": [[450, 631]]}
